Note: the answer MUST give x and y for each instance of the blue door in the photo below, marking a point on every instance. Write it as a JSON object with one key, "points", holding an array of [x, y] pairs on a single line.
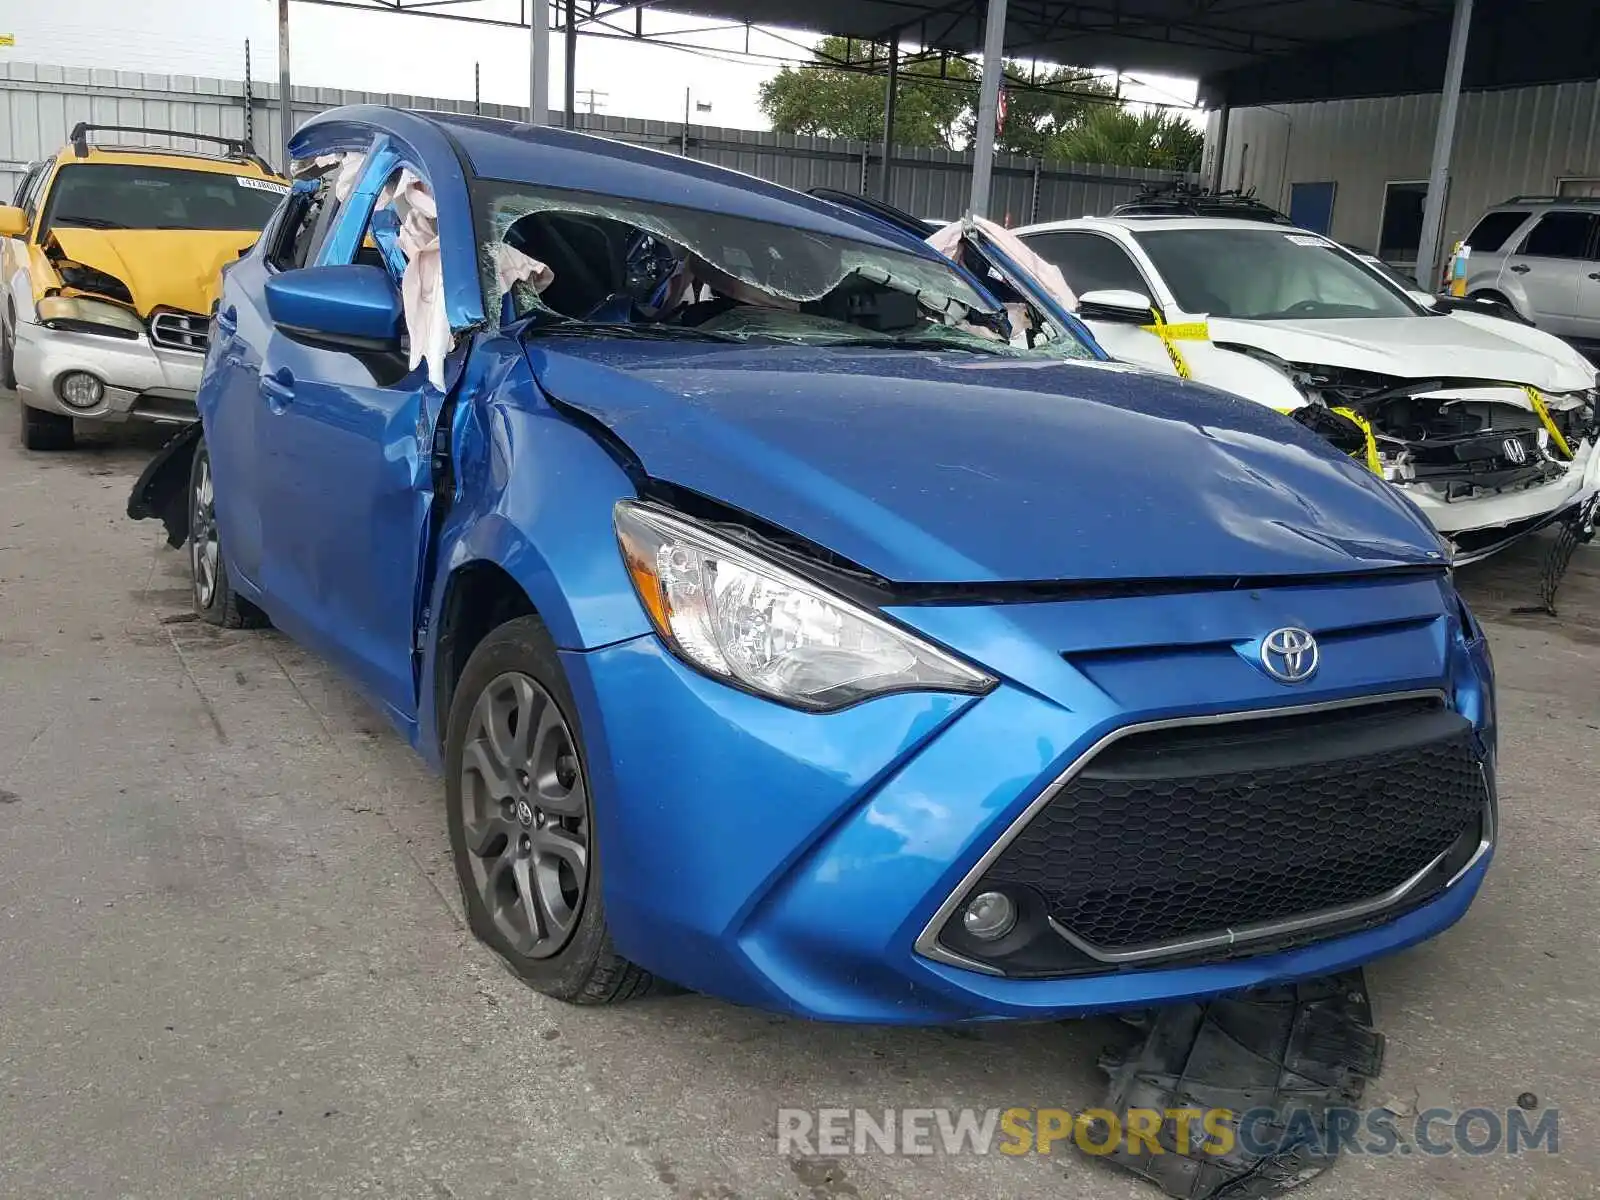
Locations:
{"points": [[1311, 206], [348, 489], [346, 441], [230, 407]]}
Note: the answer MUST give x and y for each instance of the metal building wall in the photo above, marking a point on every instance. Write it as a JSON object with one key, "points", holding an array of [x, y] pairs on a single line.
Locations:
{"points": [[39, 104], [1524, 140]]}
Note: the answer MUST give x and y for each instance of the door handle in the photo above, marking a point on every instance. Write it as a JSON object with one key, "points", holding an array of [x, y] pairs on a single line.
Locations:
{"points": [[278, 388], [1520, 268], [1595, 275]]}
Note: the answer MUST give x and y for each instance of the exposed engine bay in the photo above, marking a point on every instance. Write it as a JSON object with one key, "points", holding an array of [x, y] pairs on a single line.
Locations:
{"points": [[1461, 438]]}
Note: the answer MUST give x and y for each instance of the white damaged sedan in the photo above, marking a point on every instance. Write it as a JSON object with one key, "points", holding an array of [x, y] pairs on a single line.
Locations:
{"points": [[1488, 425]]}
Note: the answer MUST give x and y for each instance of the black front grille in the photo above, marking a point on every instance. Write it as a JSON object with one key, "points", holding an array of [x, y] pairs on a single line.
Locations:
{"points": [[1175, 833]]}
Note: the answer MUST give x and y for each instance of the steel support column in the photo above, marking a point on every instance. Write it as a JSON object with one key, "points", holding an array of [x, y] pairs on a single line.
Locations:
{"points": [[890, 96], [285, 113], [1219, 159], [1444, 137], [994, 38], [539, 62], [571, 116]]}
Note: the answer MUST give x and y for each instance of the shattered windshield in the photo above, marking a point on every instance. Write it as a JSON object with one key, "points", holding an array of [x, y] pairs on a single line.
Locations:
{"points": [[631, 267], [1269, 274]]}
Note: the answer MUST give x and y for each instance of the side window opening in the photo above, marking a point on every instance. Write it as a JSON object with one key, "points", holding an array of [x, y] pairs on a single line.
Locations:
{"points": [[1090, 262], [32, 186], [1560, 235], [305, 223], [22, 188], [1492, 232]]}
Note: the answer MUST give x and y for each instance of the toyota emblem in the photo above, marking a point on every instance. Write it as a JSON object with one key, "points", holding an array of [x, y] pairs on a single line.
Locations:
{"points": [[1289, 655]]}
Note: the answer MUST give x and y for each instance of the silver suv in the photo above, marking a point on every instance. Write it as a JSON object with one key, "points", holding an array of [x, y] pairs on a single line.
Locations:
{"points": [[1541, 255]]}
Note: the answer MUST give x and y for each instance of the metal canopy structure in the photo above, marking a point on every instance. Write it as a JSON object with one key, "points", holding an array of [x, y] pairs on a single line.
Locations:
{"points": [[1243, 52], [1196, 38]]}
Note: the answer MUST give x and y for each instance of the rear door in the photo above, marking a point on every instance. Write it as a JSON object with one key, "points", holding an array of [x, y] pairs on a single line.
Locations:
{"points": [[14, 251], [230, 399], [1548, 266], [1586, 317]]}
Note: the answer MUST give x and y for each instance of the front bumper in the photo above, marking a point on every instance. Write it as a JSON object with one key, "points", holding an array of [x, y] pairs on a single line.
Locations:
{"points": [[793, 861], [142, 381], [1512, 508]]}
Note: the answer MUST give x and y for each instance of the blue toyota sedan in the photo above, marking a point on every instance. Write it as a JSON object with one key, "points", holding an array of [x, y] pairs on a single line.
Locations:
{"points": [[798, 618]]}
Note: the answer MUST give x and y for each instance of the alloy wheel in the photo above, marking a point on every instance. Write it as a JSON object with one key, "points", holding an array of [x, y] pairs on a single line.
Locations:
{"points": [[525, 815], [204, 549]]}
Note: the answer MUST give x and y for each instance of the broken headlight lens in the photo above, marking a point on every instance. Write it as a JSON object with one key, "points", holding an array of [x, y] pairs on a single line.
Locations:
{"points": [[739, 618], [88, 316]]}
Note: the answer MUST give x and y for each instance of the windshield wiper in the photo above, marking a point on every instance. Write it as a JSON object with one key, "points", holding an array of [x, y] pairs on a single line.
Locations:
{"points": [[623, 329]]}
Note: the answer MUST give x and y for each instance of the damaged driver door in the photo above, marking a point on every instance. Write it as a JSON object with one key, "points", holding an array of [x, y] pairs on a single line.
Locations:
{"points": [[347, 432]]}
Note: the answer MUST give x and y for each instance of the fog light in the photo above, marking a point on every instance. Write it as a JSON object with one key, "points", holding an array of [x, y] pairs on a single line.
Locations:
{"points": [[81, 389], [989, 916]]}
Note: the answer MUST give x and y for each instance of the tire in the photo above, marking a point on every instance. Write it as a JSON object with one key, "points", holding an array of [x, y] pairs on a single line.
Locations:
{"points": [[8, 352], [215, 601], [40, 430], [514, 857]]}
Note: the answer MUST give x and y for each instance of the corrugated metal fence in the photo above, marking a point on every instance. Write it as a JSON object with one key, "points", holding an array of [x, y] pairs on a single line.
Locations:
{"points": [[39, 104]]}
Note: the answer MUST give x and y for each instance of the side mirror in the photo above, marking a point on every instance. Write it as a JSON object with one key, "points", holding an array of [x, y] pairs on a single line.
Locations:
{"points": [[13, 221], [1115, 304], [1426, 299], [352, 307]]}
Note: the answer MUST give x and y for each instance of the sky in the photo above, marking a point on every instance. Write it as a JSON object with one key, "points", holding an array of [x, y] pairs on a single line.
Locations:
{"points": [[382, 52]]}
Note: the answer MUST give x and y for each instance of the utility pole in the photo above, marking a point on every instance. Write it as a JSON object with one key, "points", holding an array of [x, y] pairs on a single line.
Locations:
{"points": [[249, 100], [477, 87], [538, 62], [285, 115]]}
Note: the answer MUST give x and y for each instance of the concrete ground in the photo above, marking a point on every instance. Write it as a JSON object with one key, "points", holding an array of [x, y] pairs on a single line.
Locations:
{"points": [[232, 959]]}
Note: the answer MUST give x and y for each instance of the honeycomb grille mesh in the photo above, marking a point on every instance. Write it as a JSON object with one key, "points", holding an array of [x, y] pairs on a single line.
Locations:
{"points": [[1124, 862]]}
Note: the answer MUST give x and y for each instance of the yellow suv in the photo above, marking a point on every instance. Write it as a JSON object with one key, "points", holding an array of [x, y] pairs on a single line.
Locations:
{"points": [[111, 258]]}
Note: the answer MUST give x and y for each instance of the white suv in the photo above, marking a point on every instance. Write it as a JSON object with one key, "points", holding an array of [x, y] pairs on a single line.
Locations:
{"points": [[1541, 255]]}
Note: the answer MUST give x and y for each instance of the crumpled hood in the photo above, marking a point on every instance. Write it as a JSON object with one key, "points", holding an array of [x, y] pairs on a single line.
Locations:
{"points": [[951, 468], [163, 268], [1454, 346]]}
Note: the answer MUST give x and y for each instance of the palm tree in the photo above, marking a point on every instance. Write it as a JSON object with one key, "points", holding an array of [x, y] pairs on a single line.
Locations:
{"points": [[1122, 137]]}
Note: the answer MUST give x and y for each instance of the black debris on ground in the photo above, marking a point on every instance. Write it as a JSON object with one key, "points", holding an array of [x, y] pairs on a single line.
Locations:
{"points": [[1298, 1051]]}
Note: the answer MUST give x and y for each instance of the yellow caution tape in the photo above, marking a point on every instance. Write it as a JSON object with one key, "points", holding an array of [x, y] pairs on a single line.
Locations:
{"points": [[1365, 426], [1171, 335], [1543, 413]]}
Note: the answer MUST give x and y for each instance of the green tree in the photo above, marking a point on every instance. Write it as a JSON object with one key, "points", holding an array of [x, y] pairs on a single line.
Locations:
{"points": [[838, 102], [1121, 137], [1061, 112]]}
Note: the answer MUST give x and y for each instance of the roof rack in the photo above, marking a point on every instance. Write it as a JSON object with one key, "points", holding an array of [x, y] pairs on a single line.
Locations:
{"points": [[238, 149], [1552, 200], [1181, 198]]}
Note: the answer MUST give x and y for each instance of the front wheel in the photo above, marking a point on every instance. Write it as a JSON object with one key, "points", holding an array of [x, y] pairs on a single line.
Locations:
{"points": [[215, 601], [522, 824], [40, 430]]}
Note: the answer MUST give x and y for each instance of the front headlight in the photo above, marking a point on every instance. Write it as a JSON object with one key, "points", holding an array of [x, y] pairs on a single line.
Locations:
{"points": [[88, 316], [747, 621]]}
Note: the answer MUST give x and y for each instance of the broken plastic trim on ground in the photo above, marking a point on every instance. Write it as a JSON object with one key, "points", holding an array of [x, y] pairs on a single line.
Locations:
{"points": [[1300, 1048]]}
